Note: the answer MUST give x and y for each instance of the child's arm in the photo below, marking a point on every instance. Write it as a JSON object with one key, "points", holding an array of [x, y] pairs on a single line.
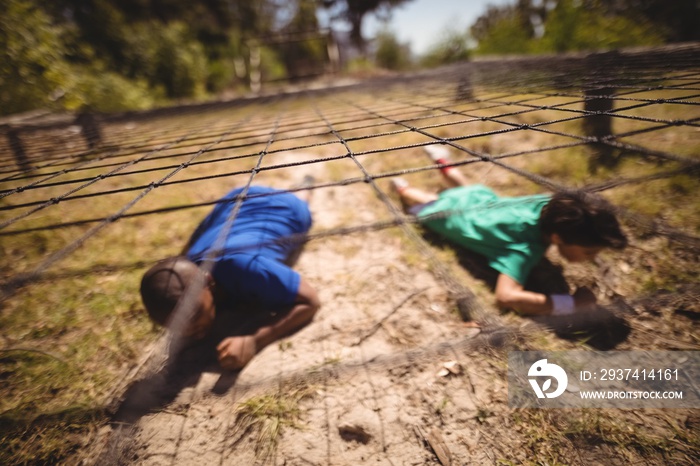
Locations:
{"points": [[511, 294], [236, 352]]}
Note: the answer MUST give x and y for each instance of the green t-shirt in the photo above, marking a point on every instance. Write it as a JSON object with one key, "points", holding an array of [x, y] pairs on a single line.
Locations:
{"points": [[504, 229]]}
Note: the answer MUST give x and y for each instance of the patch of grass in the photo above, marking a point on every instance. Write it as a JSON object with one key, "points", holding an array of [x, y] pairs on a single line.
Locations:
{"points": [[47, 439], [504, 462], [266, 416], [66, 342], [672, 200], [567, 166], [668, 271], [553, 436], [596, 426], [327, 362], [542, 439]]}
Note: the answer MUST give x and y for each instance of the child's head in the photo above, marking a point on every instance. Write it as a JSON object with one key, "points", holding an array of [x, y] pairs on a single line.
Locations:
{"points": [[581, 225], [165, 283]]}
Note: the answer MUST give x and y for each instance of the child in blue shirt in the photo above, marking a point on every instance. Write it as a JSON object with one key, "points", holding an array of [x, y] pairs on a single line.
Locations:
{"points": [[251, 275]]}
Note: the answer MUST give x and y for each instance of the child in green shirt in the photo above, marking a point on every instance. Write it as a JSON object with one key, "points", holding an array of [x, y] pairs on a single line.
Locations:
{"points": [[514, 233]]}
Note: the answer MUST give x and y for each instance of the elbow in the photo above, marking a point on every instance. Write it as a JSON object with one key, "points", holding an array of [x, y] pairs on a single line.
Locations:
{"points": [[512, 302], [509, 293], [308, 302], [304, 311], [312, 307], [314, 303], [505, 300]]}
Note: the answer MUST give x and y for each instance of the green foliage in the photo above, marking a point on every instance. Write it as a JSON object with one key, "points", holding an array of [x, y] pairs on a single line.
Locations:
{"points": [[179, 62], [116, 55], [305, 17], [453, 47], [360, 66], [35, 70], [220, 74], [307, 56], [556, 26], [571, 26], [32, 68], [271, 66], [112, 55], [107, 91], [303, 58], [167, 56], [226, 65], [506, 35], [391, 54]]}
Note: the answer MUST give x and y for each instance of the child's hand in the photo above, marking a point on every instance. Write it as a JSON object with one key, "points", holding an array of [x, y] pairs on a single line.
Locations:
{"points": [[236, 352], [585, 299]]}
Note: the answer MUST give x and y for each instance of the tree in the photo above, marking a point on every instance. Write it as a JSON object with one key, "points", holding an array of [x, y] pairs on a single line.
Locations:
{"points": [[390, 53], [519, 18], [354, 12], [54, 53], [32, 68], [502, 31], [564, 25], [39, 67], [571, 26], [304, 50], [453, 47], [679, 20]]}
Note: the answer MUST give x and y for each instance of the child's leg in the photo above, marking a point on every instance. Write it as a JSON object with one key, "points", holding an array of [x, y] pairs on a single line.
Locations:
{"points": [[410, 195], [413, 196], [454, 177], [451, 174]]}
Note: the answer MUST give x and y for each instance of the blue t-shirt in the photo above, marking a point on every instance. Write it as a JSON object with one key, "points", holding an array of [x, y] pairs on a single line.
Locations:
{"points": [[250, 266]]}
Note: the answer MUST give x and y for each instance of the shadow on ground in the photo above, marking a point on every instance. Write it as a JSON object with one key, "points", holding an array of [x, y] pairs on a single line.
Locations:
{"points": [[160, 388]]}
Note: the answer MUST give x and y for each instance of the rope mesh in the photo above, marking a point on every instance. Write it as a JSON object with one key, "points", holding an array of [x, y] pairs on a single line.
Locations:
{"points": [[385, 114], [618, 109]]}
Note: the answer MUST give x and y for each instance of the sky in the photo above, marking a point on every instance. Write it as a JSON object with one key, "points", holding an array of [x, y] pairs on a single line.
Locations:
{"points": [[422, 23]]}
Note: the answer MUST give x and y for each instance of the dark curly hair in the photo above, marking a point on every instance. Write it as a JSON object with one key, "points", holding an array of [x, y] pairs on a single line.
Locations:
{"points": [[163, 285], [582, 219]]}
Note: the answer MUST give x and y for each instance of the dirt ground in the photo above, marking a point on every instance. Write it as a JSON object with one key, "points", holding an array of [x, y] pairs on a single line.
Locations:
{"points": [[386, 374]]}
